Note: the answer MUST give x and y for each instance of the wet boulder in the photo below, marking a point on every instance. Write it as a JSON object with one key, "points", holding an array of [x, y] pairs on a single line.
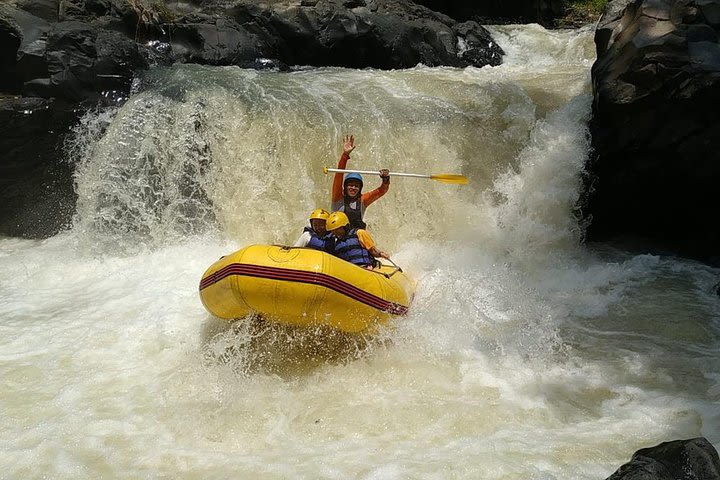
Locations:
{"points": [[22, 51], [207, 40], [10, 39], [74, 60], [476, 47], [48, 10], [383, 34], [84, 61], [692, 459], [656, 127], [35, 181]]}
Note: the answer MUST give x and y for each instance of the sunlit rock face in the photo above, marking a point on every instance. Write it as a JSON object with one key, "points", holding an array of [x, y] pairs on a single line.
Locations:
{"points": [[656, 126]]}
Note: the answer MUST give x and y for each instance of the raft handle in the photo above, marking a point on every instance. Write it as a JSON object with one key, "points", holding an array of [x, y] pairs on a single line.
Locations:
{"points": [[394, 265], [388, 275]]}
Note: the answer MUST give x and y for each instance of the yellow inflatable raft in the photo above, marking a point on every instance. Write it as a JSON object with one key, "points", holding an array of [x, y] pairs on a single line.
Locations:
{"points": [[304, 287]]}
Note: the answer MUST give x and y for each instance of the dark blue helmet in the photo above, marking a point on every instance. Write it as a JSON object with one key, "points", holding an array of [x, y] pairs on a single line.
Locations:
{"points": [[353, 176]]}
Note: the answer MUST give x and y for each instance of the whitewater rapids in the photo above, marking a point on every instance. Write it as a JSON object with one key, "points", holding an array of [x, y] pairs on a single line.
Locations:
{"points": [[526, 354]]}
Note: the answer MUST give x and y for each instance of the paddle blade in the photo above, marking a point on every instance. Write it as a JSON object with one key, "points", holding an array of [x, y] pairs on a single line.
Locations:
{"points": [[450, 178]]}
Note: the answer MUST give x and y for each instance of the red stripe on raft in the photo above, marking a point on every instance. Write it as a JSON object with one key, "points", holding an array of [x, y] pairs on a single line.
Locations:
{"points": [[307, 277], [302, 276], [320, 279]]}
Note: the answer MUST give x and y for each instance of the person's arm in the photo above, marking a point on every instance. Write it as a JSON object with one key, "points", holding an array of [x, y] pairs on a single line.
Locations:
{"points": [[369, 243], [303, 240], [329, 240], [370, 197], [376, 252], [337, 186]]}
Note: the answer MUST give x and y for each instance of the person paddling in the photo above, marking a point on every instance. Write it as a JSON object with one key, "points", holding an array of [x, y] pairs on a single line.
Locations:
{"points": [[316, 235], [354, 245], [347, 196]]}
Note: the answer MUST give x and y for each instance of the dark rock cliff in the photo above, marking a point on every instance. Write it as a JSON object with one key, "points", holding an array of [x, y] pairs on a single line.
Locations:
{"points": [[656, 127]]}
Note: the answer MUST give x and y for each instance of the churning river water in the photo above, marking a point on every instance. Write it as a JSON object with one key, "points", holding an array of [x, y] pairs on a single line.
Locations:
{"points": [[526, 353]]}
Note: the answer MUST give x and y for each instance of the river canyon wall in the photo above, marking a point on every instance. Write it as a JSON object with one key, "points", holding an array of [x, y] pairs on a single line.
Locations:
{"points": [[656, 127]]}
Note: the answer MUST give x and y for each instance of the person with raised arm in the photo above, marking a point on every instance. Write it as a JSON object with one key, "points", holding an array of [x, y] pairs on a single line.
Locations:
{"points": [[347, 196]]}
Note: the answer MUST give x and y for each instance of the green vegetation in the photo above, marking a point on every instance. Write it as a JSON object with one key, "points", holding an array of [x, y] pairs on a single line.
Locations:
{"points": [[581, 12]]}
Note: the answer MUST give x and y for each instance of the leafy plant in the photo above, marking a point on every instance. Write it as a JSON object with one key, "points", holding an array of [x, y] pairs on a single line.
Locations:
{"points": [[578, 12]]}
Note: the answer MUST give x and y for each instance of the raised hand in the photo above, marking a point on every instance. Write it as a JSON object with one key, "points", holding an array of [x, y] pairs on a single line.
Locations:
{"points": [[348, 144]]}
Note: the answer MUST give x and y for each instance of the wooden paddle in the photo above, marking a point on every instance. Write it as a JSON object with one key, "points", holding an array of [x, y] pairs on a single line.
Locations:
{"points": [[440, 177]]}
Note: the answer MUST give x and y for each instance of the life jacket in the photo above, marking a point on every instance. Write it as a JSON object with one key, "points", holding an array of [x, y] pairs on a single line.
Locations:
{"points": [[324, 243], [355, 210], [350, 249]]}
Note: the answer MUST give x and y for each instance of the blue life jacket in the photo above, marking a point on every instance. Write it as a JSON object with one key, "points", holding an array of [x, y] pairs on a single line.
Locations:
{"points": [[324, 243], [350, 249]]}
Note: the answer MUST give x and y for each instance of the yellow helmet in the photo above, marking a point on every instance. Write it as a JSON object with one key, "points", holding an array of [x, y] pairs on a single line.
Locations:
{"points": [[337, 220], [320, 214]]}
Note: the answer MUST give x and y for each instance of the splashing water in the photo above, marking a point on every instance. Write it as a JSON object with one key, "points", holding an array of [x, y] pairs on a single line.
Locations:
{"points": [[525, 354]]}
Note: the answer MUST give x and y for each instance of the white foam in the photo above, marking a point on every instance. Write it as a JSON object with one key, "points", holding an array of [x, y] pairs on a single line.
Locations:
{"points": [[524, 355]]}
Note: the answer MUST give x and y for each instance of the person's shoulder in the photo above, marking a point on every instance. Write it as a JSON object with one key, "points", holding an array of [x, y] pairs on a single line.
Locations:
{"points": [[302, 240], [361, 232]]}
